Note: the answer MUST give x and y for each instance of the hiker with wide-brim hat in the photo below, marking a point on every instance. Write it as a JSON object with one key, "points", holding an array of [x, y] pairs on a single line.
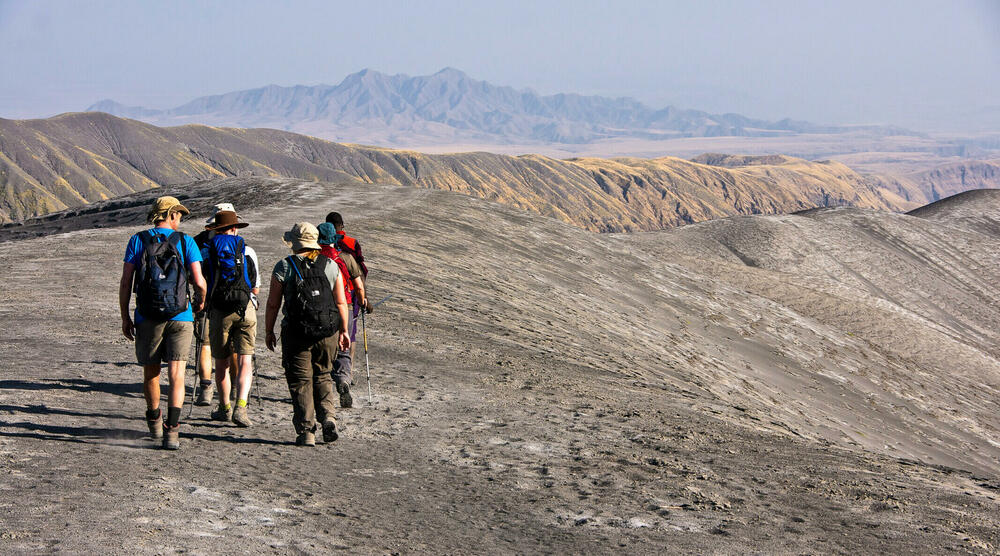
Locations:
{"points": [[157, 262], [309, 289], [206, 388], [354, 291], [231, 268]]}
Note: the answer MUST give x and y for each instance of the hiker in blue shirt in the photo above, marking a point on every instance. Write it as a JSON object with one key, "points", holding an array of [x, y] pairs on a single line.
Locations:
{"points": [[157, 262]]}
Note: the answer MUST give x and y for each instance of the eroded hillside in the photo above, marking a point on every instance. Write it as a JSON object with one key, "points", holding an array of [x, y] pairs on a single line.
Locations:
{"points": [[76, 159]]}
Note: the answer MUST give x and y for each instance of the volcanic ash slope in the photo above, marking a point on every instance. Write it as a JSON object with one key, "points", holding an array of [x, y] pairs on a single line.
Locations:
{"points": [[822, 382]]}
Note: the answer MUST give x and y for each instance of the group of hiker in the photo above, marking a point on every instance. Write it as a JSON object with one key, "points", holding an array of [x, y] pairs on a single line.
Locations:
{"points": [[319, 289]]}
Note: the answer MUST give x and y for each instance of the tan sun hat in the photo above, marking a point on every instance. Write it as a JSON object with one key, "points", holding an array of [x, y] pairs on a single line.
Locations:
{"points": [[302, 236], [227, 219], [216, 210], [163, 206]]}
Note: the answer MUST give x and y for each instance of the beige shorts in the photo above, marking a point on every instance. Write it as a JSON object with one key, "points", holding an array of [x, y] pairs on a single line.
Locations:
{"points": [[201, 327], [157, 341], [229, 334]]}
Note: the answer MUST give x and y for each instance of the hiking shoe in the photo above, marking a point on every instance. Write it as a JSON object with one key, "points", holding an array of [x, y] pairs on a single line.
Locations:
{"points": [[330, 432], [344, 390], [240, 416], [205, 395], [305, 439], [222, 414], [155, 428], [171, 438]]}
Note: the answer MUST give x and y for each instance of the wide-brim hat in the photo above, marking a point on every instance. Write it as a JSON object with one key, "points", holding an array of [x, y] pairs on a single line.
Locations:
{"points": [[227, 219], [302, 236], [163, 206], [216, 210]]}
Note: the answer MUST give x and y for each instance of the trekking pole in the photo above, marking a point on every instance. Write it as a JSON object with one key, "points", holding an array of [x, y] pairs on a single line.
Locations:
{"points": [[364, 334], [255, 379], [197, 375], [383, 300]]}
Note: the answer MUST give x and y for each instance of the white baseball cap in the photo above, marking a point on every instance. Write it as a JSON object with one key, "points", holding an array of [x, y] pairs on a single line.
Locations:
{"points": [[217, 209]]}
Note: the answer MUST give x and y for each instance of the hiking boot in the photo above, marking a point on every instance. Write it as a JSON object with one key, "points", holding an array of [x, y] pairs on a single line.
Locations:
{"points": [[222, 413], [240, 416], [344, 390], [155, 428], [305, 439], [330, 432], [205, 394], [171, 438]]}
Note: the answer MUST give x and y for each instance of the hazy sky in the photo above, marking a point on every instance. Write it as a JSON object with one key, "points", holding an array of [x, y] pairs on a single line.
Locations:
{"points": [[911, 62]]}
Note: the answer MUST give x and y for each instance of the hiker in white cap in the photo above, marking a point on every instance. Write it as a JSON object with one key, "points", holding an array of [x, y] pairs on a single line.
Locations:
{"points": [[201, 325]]}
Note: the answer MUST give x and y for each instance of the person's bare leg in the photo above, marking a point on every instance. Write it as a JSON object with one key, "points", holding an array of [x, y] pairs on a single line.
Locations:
{"points": [[240, 416], [234, 369], [151, 391], [222, 380], [151, 385], [245, 377], [205, 360], [206, 376], [175, 373], [175, 402]]}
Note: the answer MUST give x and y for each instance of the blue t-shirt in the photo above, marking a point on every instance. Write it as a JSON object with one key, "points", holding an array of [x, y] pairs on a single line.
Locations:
{"points": [[189, 254]]}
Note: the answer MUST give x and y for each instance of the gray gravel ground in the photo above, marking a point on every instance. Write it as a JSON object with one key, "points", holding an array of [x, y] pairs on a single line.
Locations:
{"points": [[815, 383]]}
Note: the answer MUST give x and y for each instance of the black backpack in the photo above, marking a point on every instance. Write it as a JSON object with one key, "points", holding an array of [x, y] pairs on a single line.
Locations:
{"points": [[161, 288], [312, 309], [230, 277]]}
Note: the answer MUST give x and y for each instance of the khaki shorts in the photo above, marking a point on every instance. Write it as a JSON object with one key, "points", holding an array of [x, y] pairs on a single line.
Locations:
{"points": [[157, 341], [229, 334], [201, 327]]}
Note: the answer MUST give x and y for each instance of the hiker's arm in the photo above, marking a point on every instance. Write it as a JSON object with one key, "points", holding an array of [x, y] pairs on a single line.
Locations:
{"points": [[359, 287], [341, 299], [271, 312], [200, 287], [124, 296]]}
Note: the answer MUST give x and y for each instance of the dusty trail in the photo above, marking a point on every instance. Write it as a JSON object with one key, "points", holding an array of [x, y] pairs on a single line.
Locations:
{"points": [[684, 412]]}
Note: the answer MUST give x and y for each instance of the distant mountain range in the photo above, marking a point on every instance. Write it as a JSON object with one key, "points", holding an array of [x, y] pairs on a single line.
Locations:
{"points": [[449, 107], [77, 159]]}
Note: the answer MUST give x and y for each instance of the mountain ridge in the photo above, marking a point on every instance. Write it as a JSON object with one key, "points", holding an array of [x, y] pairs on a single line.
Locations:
{"points": [[450, 104]]}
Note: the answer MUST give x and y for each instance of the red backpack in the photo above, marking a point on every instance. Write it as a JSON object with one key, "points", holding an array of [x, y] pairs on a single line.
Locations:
{"points": [[353, 248], [331, 253]]}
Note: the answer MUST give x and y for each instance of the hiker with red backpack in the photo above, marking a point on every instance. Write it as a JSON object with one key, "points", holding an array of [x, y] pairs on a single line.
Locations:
{"points": [[309, 288], [157, 262], [354, 291], [231, 269]]}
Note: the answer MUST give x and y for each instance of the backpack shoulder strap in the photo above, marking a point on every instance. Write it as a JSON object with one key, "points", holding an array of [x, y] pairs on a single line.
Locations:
{"points": [[295, 267], [175, 239]]}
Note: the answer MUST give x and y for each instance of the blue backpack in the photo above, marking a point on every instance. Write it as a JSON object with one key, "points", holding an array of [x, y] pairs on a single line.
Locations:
{"points": [[230, 279]]}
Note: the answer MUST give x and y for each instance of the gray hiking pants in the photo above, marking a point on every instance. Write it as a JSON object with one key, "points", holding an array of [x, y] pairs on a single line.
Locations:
{"points": [[307, 371], [342, 365]]}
